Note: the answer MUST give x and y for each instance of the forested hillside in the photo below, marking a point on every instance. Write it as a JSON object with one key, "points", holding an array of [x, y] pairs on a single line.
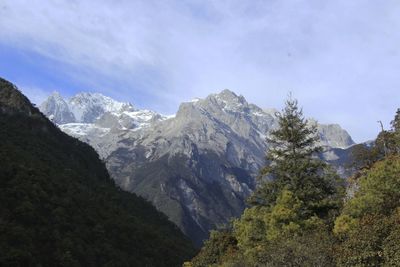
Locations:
{"points": [[59, 207], [303, 215]]}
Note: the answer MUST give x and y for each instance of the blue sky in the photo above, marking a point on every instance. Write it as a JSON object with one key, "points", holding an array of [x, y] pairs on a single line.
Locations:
{"points": [[340, 58]]}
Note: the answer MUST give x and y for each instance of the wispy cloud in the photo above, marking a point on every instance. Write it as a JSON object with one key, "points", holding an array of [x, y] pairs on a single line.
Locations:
{"points": [[340, 58]]}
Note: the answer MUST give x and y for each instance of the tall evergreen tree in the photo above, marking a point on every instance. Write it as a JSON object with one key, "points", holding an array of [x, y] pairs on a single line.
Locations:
{"points": [[289, 222], [294, 165], [396, 131], [396, 121]]}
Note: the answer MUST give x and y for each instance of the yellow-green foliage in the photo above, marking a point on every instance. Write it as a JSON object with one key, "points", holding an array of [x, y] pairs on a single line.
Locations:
{"points": [[220, 247], [369, 225], [260, 228], [379, 192], [344, 224], [391, 244], [285, 215], [261, 224], [374, 241], [250, 230]]}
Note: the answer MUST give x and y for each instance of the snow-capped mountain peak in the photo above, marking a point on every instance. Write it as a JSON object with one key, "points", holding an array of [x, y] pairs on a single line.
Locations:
{"points": [[97, 99], [87, 107], [86, 112], [57, 109]]}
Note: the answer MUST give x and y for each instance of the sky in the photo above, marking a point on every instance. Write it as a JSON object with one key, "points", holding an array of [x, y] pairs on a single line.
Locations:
{"points": [[339, 58]]}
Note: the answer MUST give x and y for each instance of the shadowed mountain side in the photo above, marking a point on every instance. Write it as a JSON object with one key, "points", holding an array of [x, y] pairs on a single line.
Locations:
{"points": [[59, 207]]}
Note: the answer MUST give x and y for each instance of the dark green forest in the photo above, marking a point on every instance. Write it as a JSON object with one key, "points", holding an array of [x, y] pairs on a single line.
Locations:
{"points": [[303, 214], [59, 207]]}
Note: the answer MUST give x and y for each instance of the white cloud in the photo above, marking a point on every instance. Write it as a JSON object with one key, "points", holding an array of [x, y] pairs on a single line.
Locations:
{"points": [[340, 58]]}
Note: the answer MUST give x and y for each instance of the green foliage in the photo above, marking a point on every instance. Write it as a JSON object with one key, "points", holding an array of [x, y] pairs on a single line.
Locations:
{"points": [[385, 144], [263, 233], [369, 225], [363, 246], [373, 242], [395, 123], [362, 157], [291, 218], [379, 192], [308, 248], [295, 166], [59, 207], [391, 244], [217, 249], [286, 217], [251, 231]]}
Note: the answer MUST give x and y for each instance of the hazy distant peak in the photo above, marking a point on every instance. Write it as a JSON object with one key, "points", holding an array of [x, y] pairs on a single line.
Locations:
{"points": [[195, 100], [227, 93], [55, 94], [57, 109], [228, 101], [229, 96], [85, 99], [334, 135], [87, 110]]}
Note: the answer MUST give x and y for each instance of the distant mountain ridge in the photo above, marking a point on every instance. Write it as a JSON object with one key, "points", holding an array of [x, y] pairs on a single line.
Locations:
{"points": [[89, 107], [81, 112], [199, 166]]}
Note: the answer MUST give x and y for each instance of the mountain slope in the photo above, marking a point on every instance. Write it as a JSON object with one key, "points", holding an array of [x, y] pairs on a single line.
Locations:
{"points": [[59, 207], [199, 166]]}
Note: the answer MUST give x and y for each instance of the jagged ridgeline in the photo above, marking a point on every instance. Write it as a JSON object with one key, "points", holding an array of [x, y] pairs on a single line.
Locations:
{"points": [[59, 207]]}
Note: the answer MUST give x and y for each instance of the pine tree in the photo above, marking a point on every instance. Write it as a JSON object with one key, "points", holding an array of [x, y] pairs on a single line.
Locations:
{"points": [[396, 122], [290, 220], [396, 132], [294, 165]]}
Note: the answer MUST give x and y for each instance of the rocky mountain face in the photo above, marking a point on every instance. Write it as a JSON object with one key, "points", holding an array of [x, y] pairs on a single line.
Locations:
{"points": [[197, 167]]}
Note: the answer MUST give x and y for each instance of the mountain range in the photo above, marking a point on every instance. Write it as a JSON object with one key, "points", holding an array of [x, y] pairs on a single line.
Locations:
{"points": [[197, 166]]}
